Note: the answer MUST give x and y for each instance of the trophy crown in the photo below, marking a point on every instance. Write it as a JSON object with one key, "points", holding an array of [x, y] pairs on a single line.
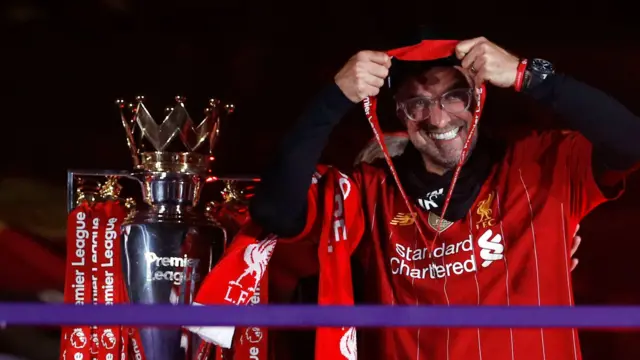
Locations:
{"points": [[177, 127]]}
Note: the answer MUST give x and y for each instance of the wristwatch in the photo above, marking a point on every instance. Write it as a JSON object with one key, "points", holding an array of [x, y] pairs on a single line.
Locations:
{"points": [[536, 72]]}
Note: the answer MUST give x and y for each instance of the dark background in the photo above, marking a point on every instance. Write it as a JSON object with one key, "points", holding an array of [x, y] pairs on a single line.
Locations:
{"points": [[65, 62]]}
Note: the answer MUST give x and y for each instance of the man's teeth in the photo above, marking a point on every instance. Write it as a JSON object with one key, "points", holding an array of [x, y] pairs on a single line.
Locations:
{"points": [[444, 136]]}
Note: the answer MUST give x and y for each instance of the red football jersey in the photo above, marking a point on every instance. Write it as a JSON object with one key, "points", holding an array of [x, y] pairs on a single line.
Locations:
{"points": [[512, 248]]}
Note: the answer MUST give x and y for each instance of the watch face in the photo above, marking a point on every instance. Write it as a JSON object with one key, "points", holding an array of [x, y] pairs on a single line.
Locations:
{"points": [[542, 66]]}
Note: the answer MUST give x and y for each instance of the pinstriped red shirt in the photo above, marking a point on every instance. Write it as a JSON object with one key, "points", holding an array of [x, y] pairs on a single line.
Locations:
{"points": [[512, 248]]}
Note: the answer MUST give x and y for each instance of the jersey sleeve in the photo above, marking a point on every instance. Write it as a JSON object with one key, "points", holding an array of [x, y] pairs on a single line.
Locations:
{"points": [[584, 192], [567, 155]]}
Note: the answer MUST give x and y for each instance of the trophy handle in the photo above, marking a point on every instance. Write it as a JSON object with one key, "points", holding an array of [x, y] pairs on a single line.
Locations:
{"points": [[72, 175], [231, 211]]}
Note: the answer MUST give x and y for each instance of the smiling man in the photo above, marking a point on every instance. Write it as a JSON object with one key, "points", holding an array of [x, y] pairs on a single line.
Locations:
{"points": [[435, 105], [506, 236]]}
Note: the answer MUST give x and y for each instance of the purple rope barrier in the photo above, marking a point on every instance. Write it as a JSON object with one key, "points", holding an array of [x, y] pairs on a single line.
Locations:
{"points": [[329, 316]]}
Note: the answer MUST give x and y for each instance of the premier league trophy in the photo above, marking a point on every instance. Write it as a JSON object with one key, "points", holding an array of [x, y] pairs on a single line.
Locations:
{"points": [[169, 241]]}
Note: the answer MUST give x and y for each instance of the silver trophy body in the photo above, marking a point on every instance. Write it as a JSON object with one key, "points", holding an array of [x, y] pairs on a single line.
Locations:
{"points": [[168, 249], [169, 242]]}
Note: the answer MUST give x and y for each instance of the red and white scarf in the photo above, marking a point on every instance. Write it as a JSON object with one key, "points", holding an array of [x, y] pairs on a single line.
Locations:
{"points": [[236, 279], [94, 276]]}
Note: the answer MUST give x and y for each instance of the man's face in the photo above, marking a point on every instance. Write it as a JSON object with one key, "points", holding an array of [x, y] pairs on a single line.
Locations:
{"points": [[437, 109]]}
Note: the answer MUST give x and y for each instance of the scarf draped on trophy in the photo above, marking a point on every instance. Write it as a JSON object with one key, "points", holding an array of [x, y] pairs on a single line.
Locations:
{"points": [[237, 277], [94, 276]]}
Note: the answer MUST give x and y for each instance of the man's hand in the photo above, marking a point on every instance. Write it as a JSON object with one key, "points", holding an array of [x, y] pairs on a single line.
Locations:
{"points": [[486, 61], [363, 75], [576, 242]]}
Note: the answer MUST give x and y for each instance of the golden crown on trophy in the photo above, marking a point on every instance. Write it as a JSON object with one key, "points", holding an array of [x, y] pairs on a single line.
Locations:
{"points": [[175, 144]]}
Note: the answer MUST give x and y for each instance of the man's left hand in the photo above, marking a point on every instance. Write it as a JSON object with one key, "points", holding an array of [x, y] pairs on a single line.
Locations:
{"points": [[486, 61]]}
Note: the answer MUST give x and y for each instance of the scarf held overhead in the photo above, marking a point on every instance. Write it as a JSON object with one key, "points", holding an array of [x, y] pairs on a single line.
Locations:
{"points": [[334, 205]]}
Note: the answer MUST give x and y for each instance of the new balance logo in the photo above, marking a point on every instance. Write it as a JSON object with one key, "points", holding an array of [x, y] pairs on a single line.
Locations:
{"points": [[402, 219], [428, 201]]}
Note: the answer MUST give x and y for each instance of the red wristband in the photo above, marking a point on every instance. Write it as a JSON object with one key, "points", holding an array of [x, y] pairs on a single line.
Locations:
{"points": [[520, 75]]}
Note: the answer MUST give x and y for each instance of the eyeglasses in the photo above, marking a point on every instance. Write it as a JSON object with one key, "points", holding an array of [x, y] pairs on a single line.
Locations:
{"points": [[453, 101]]}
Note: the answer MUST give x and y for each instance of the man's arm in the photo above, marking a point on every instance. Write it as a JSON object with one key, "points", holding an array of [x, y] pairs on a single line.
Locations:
{"points": [[280, 203], [612, 129]]}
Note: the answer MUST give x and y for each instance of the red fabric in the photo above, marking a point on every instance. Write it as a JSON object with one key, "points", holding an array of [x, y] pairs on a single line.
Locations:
{"points": [[425, 50], [335, 218], [76, 341], [511, 249], [93, 276], [253, 341], [108, 273]]}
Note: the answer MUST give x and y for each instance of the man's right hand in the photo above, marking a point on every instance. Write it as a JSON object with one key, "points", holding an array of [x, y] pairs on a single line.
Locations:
{"points": [[363, 75]]}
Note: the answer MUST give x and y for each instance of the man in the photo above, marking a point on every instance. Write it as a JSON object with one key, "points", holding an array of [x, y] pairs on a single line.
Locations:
{"points": [[396, 144], [506, 236]]}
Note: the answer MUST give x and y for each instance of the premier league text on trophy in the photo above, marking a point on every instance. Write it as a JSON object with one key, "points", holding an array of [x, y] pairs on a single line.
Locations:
{"points": [[169, 268]]}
